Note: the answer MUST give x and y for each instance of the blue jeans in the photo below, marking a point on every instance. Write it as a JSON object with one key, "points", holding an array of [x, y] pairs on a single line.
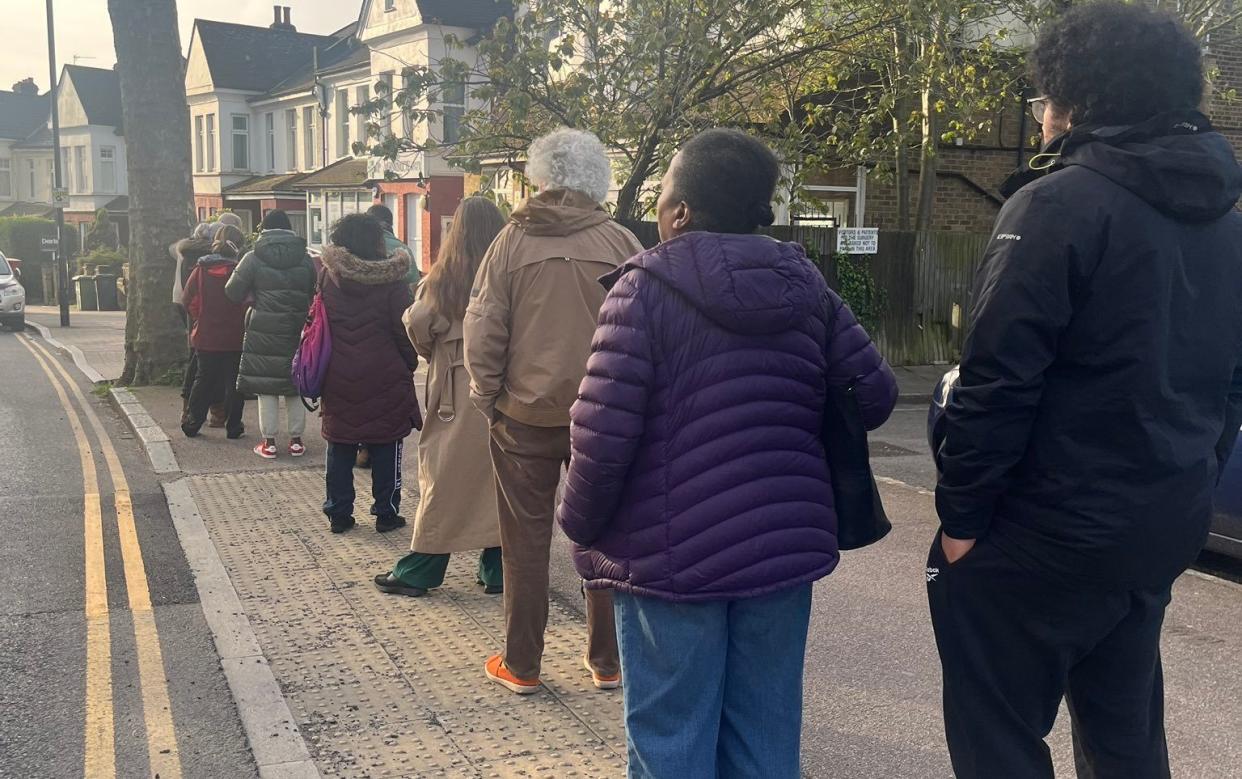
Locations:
{"points": [[713, 690]]}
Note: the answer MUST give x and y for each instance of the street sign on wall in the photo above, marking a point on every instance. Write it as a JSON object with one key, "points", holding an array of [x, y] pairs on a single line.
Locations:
{"points": [[858, 240], [49, 244]]}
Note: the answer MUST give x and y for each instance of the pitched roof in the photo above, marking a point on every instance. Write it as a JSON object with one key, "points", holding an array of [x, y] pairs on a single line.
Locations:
{"points": [[280, 182], [348, 172], [100, 93], [21, 115], [476, 14], [39, 139], [342, 54], [253, 59]]}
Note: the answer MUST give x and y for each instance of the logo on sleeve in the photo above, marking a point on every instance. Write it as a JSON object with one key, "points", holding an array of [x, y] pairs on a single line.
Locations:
{"points": [[932, 573], [1009, 237]]}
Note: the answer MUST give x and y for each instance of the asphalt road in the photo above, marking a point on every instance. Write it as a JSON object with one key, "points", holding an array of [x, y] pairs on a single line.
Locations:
{"points": [[872, 695], [149, 656]]}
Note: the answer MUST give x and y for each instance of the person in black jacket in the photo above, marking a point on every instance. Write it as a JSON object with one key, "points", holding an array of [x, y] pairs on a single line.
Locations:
{"points": [[1098, 395]]}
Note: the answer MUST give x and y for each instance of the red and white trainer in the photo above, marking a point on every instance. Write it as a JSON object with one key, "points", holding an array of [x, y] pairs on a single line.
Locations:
{"points": [[266, 449], [296, 448]]}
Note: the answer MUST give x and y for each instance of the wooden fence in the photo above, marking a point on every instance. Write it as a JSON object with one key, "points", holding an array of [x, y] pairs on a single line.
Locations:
{"points": [[924, 304]]}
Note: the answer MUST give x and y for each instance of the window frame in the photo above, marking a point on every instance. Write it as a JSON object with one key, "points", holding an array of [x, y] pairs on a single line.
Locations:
{"points": [[79, 169], [6, 176], [310, 151], [245, 136], [291, 133], [199, 158], [342, 123], [269, 124], [211, 143], [107, 167], [455, 109]]}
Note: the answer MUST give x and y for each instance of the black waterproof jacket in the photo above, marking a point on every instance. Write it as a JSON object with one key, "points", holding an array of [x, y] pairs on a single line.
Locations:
{"points": [[280, 279], [1098, 372]]}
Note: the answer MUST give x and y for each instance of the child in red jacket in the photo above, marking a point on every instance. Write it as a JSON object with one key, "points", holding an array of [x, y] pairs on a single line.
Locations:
{"points": [[219, 325]]}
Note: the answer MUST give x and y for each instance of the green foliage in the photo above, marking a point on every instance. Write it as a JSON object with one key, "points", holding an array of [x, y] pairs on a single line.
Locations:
{"points": [[103, 257], [102, 390], [642, 75], [858, 289], [20, 237], [102, 233]]}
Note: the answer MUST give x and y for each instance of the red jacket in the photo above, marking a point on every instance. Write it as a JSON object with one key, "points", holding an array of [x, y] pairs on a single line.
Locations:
{"points": [[219, 323]]}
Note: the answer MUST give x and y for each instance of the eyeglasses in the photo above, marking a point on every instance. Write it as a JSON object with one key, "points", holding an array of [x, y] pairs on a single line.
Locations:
{"points": [[1039, 106]]}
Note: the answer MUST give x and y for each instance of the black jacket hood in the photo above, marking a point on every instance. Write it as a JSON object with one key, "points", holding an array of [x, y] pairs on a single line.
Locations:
{"points": [[1176, 162]]}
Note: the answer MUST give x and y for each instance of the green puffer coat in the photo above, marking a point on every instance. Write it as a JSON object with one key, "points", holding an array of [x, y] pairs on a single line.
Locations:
{"points": [[280, 281]]}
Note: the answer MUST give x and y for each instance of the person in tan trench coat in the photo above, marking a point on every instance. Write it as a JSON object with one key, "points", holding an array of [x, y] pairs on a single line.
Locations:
{"points": [[457, 510]]}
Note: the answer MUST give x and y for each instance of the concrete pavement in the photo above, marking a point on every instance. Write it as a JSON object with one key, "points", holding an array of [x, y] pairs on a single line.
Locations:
{"points": [[95, 339]]}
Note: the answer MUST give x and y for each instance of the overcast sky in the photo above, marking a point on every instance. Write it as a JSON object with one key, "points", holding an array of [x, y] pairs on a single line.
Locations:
{"points": [[83, 29]]}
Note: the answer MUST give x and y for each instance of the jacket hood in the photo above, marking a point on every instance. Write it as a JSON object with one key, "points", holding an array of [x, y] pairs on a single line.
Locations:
{"points": [[1175, 162], [192, 248], [282, 249], [344, 266], [749, 284], [217, 265], [559, 212]]}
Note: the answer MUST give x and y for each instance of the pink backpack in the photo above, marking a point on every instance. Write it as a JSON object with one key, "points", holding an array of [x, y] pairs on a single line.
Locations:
{"points": [[310, 361]]}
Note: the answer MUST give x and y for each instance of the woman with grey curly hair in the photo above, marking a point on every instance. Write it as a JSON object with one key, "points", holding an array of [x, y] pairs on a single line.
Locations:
{"points": [[528, 332], [570, 159]]}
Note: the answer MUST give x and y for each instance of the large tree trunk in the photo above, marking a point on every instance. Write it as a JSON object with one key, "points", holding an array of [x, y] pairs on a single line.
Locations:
{"points": [[157, 139]]}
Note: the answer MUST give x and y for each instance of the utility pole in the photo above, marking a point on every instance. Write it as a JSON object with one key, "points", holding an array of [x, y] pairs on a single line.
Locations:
{"points": [[62, 258]]}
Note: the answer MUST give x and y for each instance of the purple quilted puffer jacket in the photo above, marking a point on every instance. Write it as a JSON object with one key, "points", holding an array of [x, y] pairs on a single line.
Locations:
{"points": [[698, 471]]}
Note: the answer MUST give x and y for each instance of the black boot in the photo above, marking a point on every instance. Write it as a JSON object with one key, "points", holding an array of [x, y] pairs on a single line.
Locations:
{"points": [[388, 522], [391, 585], [341, 524]]}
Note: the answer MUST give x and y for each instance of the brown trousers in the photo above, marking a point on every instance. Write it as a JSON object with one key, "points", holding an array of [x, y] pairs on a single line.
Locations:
{"points": [[528, 462]]}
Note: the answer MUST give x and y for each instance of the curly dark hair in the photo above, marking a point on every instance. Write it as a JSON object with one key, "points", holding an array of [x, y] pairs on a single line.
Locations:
{"points": [[1115, 64], [362, 235], [728, 179]]}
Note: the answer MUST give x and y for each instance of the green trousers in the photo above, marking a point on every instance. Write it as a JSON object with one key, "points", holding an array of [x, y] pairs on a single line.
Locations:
{"points": [[418, 569]]}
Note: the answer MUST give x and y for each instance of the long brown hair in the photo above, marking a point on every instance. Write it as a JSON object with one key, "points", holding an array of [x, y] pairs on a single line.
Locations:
{"points": [[476, 222]]}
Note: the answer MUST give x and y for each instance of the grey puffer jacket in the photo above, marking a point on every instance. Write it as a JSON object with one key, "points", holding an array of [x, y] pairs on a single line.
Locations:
{"points": [[280, 279]]}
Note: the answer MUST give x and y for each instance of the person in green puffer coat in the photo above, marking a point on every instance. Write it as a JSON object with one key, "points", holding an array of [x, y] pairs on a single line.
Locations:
{"points": [[278, 279]]}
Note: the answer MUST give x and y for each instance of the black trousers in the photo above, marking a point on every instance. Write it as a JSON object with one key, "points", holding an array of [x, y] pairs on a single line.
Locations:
{"points": [[215, 381], [1013, 643], [385, 479]]}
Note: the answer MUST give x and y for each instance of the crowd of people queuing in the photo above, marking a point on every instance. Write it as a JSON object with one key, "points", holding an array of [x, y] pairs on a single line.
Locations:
{"points": [[681, 389]]}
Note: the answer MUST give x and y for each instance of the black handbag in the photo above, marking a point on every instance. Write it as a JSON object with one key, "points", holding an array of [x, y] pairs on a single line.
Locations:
{"points": [[861, 520]]}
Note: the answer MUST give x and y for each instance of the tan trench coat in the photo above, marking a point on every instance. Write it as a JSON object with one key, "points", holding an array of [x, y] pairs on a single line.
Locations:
{"points": [[457, 510]]}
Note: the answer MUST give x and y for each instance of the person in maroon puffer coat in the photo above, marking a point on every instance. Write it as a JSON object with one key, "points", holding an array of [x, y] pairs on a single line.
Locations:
{"points": [[216, 335], [368, 393]]}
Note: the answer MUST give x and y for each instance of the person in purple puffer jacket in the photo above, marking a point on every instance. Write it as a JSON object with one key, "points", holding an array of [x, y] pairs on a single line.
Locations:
{"points": [[698, 489]]}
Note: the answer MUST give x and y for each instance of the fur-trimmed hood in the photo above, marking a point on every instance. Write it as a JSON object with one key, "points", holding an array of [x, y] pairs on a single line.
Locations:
{"points": [[344, 266]]}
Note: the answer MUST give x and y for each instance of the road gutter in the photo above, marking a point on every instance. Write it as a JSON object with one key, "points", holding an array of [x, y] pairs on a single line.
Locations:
{"points": [[79, 359]]}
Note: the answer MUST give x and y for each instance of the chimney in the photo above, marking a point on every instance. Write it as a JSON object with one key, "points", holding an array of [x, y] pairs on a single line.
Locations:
{"points": [[281, 18], [26, 86]]}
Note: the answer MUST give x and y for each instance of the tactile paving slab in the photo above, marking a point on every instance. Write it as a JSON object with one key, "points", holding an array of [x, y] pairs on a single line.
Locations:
{"points": [[386, 687]]}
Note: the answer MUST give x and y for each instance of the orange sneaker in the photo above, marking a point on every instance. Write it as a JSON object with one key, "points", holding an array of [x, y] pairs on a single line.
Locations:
{"points": [[601, 681], [498, 673]]}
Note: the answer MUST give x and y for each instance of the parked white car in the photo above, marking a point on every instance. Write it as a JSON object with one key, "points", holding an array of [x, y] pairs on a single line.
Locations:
{"points": [[12, 296]]}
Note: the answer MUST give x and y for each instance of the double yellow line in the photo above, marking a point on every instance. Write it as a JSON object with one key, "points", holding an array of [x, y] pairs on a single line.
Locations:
{"points": [[100, 752]]}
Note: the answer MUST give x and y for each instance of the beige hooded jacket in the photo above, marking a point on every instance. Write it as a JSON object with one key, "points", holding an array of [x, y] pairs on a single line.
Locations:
{"points": [[534, 305]]}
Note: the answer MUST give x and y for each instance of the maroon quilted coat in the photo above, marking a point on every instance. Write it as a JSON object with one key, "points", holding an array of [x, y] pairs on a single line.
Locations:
{"points": [[368, 393]]}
